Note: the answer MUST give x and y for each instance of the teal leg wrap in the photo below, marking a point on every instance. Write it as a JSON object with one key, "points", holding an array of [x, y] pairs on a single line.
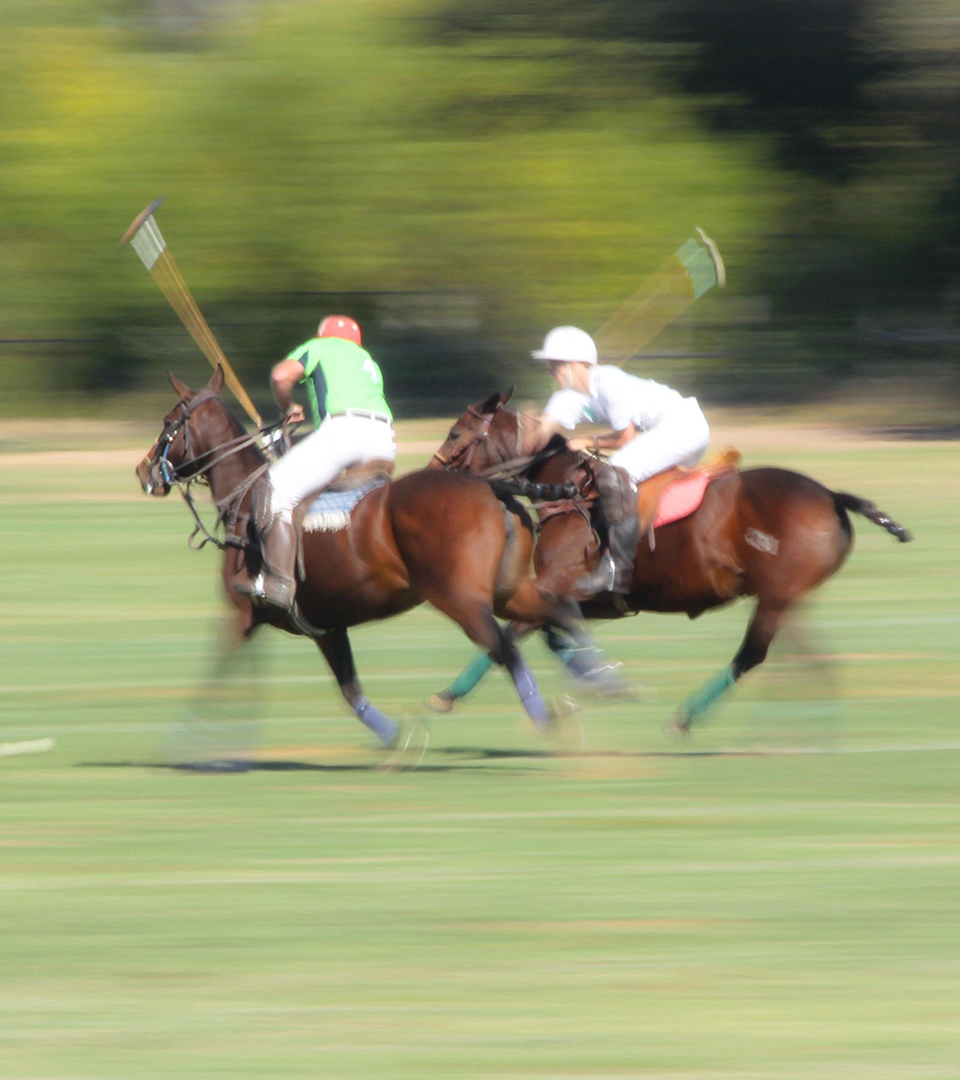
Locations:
{"points": [[471, 675], [708, 695]]}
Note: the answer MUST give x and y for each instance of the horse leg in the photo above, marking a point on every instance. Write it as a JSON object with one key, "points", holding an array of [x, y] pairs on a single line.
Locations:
{"points": [[335, 646], [471, 676], [766, 621], [468, 679], [479, 624], [584, 661], [217, 730], [587, 663]]}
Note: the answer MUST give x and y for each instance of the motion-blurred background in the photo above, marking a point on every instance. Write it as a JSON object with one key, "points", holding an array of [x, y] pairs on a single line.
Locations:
{"points": [[776, 899], [462, 175]]}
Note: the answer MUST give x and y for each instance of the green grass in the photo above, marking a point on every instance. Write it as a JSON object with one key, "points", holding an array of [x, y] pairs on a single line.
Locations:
{"points": [[779, 902]]}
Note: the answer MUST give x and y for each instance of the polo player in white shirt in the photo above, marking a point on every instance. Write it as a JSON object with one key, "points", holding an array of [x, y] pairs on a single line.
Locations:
{"points": [[653, 428]]}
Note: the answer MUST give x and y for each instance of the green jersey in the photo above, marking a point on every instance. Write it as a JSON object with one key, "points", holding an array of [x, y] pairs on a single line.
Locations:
{"points": [[340, 376]]}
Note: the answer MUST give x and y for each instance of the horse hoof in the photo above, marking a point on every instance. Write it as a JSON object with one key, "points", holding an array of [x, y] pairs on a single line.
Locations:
{"points": [[562, 706], [631, 691], [441, 703], [677, 727], [566, 731], [606, 681], [409, 749], [642, 695]]}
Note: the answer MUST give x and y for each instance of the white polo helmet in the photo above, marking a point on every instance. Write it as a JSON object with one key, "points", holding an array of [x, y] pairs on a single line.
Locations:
{"points": [[569, 344]]}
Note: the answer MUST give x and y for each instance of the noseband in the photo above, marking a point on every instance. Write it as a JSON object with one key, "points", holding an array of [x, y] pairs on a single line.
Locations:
{"points": [[463, 456], [196, 469], [175, 474]]}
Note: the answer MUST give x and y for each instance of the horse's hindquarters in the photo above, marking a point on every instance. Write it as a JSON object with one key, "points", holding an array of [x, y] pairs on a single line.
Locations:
{"points": [[790, 536]]}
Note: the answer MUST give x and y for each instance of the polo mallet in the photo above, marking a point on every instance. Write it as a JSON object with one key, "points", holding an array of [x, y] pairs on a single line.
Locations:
{"points": [[148, 242], [30, 746], [694, 268]]}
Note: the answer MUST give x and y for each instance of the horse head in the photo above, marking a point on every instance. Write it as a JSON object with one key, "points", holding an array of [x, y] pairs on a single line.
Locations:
{"points": [[484, 436], [197, 424]]}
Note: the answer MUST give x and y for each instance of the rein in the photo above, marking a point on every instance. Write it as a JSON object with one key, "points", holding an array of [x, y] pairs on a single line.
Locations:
{"points": [[191, 471], [548, 499], [463, 456]]}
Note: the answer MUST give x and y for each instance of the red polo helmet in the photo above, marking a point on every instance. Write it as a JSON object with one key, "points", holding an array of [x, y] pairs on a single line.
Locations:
{"points": [[340, 326]]}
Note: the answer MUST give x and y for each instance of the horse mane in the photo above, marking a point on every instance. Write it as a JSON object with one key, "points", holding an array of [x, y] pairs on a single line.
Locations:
{"points": [[556, 445], [237, 426]]}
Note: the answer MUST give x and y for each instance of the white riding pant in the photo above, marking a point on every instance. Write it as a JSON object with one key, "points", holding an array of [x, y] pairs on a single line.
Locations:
{"points": [[311, 464], [679, 439]]}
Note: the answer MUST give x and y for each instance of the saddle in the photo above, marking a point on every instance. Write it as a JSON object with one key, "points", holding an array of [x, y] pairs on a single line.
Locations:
{"points": [[328, 509], [355, 476], [652, 508]]}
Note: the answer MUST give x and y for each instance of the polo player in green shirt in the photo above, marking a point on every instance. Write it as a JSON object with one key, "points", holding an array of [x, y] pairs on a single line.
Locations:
{"points": [[352, 424]]}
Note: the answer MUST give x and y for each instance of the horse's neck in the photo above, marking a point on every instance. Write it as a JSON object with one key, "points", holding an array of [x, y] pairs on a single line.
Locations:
{"points": [[508, 439], [227, 474], [558, 468]]}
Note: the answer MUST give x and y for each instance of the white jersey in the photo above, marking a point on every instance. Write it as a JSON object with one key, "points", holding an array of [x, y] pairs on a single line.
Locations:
{"points": [[676, 430], [614, 398]]}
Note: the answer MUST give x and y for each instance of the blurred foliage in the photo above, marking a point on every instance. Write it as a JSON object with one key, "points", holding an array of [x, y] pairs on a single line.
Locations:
{"points": [[857, 99], [536, 159]]}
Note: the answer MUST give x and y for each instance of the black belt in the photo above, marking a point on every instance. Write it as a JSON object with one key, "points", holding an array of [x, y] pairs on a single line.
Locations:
{"points": [[362, 413]]}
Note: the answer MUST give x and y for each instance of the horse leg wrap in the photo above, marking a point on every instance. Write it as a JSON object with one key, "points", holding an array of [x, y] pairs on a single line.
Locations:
{"points": [[470, 676], [708, 695], [382, 726], [529, 692], [583, 660]]}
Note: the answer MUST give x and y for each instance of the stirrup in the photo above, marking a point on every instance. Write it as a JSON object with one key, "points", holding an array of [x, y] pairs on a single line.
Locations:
{"points": [[252, 588], [283, 598], [602, 579]]}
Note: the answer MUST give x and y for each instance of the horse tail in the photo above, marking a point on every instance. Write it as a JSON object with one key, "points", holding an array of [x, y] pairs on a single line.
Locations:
{"points": [[844, 501]]}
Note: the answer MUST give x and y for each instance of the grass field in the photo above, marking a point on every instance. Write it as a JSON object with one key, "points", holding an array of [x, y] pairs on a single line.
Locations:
{"points": [[778, 899]]}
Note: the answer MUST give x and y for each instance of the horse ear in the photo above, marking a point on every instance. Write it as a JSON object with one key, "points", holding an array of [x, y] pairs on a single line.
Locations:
{"points": [[181, 387], [490, 404], [216, 382], [506, 395]]}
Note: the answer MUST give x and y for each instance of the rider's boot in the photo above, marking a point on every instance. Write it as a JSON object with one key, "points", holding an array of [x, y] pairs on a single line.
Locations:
{"points": [[275, 585], [614, 572], [618, 508], [279, 554]]}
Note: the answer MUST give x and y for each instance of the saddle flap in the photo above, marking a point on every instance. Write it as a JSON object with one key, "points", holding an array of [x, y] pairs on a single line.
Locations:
{"points": [[650, 491], [675, 493]]}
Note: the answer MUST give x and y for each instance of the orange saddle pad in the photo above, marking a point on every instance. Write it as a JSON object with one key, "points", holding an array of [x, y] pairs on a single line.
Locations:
{"points": [[681, 498], [676, 493]]}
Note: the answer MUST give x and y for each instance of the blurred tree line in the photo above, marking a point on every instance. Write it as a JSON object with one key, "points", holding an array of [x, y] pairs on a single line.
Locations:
{"points": [[460, 176]]}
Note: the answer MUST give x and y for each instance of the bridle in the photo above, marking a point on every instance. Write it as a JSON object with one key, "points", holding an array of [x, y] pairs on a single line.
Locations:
{"points": [[463, 456], [194, 469], [182, 474]]}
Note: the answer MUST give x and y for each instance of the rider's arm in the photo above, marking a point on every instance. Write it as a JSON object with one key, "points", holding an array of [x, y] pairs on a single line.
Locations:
{"points": [[283, 379], [609, 440], [549, 426]]}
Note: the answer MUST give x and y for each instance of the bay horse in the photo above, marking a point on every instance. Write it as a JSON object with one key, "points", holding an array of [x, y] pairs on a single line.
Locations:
{"points": [[439, 537], [765, 532]]}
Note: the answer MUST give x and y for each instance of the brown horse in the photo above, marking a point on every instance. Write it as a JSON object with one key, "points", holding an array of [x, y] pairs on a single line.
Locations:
{"points": [[434, 536], [767, 532]]}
